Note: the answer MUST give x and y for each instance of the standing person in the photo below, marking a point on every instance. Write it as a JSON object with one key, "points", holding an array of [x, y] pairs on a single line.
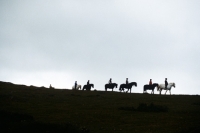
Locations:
{"points": [[110, 81], [166, 83], [150, 82], [88, 82], [75, 85], [126, 80]]}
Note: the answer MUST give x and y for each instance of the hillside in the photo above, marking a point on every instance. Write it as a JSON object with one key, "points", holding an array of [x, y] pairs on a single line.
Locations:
{"points": [[39, 109]]}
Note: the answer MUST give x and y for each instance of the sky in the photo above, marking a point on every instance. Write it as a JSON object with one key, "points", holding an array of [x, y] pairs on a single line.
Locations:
{"points": [[45, 42]]}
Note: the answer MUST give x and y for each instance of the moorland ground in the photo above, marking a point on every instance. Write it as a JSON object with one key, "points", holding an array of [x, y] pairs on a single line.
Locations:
{"points": [[39, 109]]}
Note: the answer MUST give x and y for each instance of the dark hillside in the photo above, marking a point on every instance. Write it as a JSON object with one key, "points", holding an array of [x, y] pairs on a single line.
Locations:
{"points": [[63, 110]]}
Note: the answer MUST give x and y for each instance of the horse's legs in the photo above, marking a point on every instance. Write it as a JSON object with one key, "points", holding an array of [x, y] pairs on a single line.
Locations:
{"points": [[166, 92], [152, 92]]}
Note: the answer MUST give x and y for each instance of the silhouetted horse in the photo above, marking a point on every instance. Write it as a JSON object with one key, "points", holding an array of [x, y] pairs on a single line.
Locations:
{"points": [[150, 87], [127, 86], [88, 87], [110, 86]]}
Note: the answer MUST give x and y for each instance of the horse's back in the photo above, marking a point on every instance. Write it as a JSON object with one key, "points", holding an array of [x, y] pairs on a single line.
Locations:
{"points": [[106, 85], [161, 85], [122, 85], [147, 87]]}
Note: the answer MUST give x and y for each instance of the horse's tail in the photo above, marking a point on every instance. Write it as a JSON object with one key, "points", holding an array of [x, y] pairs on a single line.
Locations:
{"points": [[84, 87], [144, 88], [105, 87], [120, 87]]}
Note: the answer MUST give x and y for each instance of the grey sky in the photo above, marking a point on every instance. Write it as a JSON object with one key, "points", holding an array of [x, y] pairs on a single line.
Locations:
{"points": [[59, 42]]}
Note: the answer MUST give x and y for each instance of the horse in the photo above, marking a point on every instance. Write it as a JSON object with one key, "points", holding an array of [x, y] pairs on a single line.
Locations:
{"points": [[162, 87], [127, 86], [150, 87], [88, 87], [110, 86], [77, 87]]}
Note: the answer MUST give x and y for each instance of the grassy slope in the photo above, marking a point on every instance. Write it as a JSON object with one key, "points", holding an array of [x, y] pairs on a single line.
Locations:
{"points": [[99, 111]]}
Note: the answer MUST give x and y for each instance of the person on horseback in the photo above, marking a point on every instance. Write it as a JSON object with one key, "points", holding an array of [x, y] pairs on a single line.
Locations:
{"points": [[50, 87], [88, 82], [166, 83], [75, 85], [110, 81], [150, 82], [126, 80]]}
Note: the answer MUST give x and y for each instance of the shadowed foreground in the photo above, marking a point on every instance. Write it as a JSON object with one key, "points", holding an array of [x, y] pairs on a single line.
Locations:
{"points": [[38, 109]]}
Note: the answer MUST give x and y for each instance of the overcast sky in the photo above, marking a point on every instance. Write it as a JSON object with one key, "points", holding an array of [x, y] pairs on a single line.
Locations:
{"points": [[58, 42]]}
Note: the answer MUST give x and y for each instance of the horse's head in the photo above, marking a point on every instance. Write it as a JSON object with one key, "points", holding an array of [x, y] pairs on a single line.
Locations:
{"points": [[116, 85], [135, 84], [155, 84], [92, 85], [173, 84]]}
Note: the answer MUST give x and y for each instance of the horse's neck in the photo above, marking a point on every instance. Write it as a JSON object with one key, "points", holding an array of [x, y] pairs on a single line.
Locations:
{"points": [[170, 85], [133, 83], [90, 85]]}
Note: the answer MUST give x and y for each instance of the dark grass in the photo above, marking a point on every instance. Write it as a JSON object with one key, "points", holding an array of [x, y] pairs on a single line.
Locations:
{"points": [[23, 123], [96, 111], [143, 107]]}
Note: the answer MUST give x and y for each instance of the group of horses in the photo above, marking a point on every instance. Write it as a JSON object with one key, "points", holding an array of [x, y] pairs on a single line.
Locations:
{"points": [[160, 87], [128, 86]]}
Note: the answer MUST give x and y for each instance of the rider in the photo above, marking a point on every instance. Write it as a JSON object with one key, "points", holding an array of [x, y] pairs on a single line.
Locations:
{"points": [[75, 85], [150, 82], [126, 80], [88, 82], [110, 81], [50, 86], [166, 83]]}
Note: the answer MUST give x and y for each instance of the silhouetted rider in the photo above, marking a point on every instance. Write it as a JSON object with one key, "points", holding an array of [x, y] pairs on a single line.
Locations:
{"points": [[126, 80], [75, 85], [88, 82], [110, 81], [150, 82], [166, 83]]}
